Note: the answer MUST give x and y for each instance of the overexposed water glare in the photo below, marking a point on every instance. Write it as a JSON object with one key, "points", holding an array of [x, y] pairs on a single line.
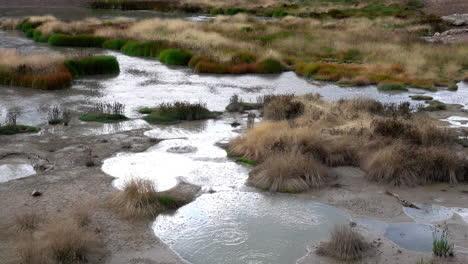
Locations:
{"points": [[10, 172]]}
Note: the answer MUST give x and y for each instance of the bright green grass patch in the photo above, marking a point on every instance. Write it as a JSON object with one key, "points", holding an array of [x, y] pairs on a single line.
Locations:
{"points": [[391, 87], [421, 97], [25, 25], [38, 37], [114, 44], [453, 87], [102, 117], [76, 40], [16, 129], [175, 57], [93, 65], [247, 161], [143, 49]]}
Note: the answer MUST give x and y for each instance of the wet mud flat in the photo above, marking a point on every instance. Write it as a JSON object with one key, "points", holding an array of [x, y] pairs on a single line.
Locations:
{"points": [[66, 180]]}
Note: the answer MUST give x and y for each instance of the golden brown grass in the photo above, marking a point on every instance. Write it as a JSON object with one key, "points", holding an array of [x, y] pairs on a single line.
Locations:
{"points": [[12, 60], [388, 141], [345, 244], [356, 51], [61, 241], [289, 172]]}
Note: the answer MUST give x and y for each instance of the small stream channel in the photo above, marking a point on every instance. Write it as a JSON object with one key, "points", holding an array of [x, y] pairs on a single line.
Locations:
{"points": [[229, 223]]}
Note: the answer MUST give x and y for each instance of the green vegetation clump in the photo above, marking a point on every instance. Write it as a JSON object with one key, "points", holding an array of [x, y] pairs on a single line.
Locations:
{"points": [[26, 25], [441, 247], [168, 201], [247, 161], [143, 49], [76, 40], [114, 44], [175, 57], [435, 105], [453, 87], [93, 65], [270, 65], [391, 87], [102, 117], [173, 113], [38, 37], [236, 104], [17, 129], [421, 97]]}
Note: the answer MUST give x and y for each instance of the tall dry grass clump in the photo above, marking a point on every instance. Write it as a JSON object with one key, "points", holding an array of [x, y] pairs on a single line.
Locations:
{"points": [[391, 142], [289, 172], [138, 199], [27, 221], [61, 240], [12, 60], [345, 244]]}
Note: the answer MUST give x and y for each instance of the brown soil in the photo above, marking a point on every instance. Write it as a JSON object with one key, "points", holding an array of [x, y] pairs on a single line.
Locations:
{"points": [[445, 7], [66, 182]]}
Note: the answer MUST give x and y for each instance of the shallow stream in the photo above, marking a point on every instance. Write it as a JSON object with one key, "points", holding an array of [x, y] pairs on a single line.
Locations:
{"points": [[229, 223]]}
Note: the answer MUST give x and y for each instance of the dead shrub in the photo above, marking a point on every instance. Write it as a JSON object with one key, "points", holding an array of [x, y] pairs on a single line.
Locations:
{"points": [[345, 244], [289, 172], [28, 221], [410, 165], [282, 107]]}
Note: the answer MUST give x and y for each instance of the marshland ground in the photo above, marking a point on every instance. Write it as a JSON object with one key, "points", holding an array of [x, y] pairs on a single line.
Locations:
{"points": [[347, 154]]}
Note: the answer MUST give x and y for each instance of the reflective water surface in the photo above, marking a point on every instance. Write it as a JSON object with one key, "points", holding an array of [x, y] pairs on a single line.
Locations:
{"points": [[10, 172]]}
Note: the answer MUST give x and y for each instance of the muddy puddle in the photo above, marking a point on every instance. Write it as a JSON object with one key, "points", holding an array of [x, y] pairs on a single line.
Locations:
{"points": [[253, 228], [10, 172]]}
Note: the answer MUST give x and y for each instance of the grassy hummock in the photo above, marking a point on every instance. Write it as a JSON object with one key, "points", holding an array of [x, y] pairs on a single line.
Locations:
{"points": [[242, 106], [421, 97], [93, 65], [114, 44], [435, 105], [391, 87], [76, 40], [102, 117], [173, 113], [175, 57], [143, 49], [17, 129]]}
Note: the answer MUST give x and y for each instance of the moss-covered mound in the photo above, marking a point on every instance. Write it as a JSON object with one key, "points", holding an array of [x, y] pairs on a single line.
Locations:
{"points": [[391, 87], [270, 66], [241, 106], [93, 65], [144, 49], [114, 44], [421, 97], [102, 117], [175, 57], [16, 129], [435, 105], [173, 113], [76, 40]]}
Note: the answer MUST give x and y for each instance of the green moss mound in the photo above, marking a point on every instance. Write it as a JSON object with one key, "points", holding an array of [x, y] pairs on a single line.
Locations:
{"points": [[26, 25], [175, 57], [270, 66], [173, 113], [453, 87], [17, 129], [391, 87], [93, 65], [246, 161], [102, 117], [76, 40], [143, 49], [421, 97], [435, 105], [114, 44], [168, 201], [39, 37]]}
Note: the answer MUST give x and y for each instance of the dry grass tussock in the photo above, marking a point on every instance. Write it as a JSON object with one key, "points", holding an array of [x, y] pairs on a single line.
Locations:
{"points": [[345, 244], [14, 61], [390, 142], [60, 240], [353, 50], [139, 199]]}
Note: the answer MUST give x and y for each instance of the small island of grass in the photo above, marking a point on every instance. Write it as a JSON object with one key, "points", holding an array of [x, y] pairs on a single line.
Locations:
{"points": [[105, 113], [17, 129], [421, 97], [173, 113]]}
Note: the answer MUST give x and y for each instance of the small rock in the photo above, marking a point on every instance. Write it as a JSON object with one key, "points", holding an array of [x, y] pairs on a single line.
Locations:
{"points": [[36, 193], [352, 224], [235, 124], [399, 251]]}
